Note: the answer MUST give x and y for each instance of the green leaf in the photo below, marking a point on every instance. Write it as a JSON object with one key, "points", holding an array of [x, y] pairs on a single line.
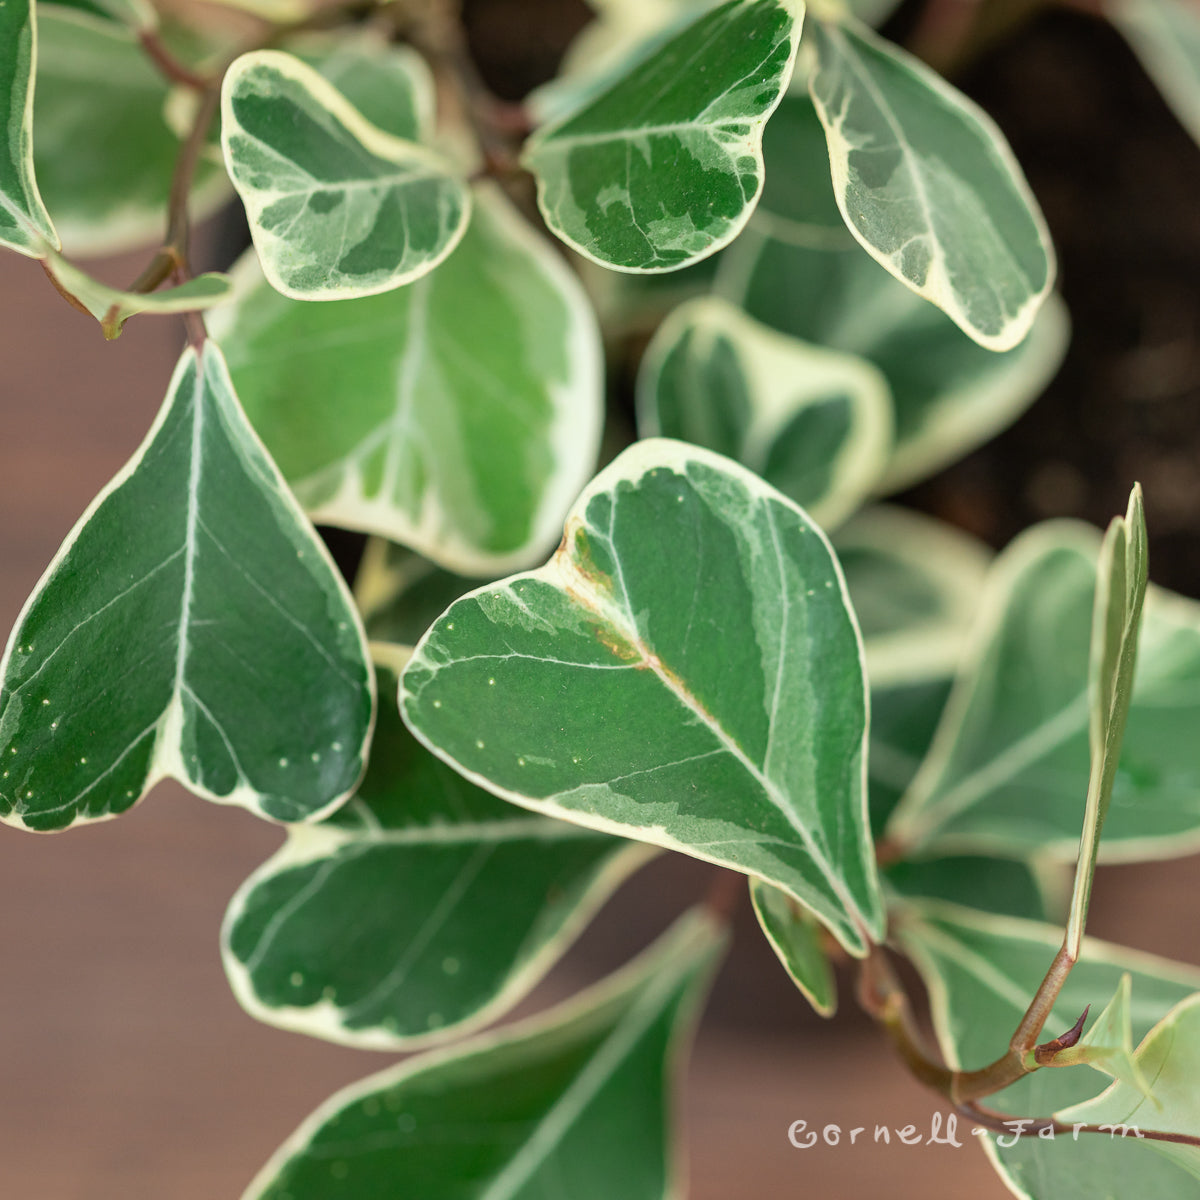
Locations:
{"points": [[1009, 769], [995, 885], [950, 394], [706, 674], [981, 972], [577, 1102], [1165, 35], [795, 936], [422, 907], [1108, 1044], [24, 223], [1121, 575], [113, 307], [813, 423], [1170, 1056], [927, 184], [457, 416], [665, 166], [105, 169], [337, 207], [192, 625]]}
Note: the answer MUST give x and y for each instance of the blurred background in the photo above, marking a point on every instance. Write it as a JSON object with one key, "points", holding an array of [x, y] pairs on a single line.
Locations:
{"points": [[126, 1068]]}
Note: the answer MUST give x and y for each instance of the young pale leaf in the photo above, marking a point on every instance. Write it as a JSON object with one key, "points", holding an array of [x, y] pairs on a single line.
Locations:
{"points": [[981, 972], [814, 423], [192, 625], [457, 416], [950, 394], [1121, 575], [1008, 770], [1165, 35], [795, 936], [337, 207], [707, 681], [113, 307], [105, 169], [422, 907], [576, 1102], [1108, 1043], [1170, 1056], [665, 166], [24, 223], [928, 185]]}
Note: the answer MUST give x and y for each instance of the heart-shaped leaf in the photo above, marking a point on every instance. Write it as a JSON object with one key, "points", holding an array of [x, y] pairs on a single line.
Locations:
{"points": [[337, 207], [458, 415], [927, 184], [421, 907], [576, 1102], [192, 625], [665, 166], [706, 675]]}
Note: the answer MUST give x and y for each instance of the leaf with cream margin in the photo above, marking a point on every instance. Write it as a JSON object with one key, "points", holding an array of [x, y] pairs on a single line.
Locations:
{"points": [[950, 394], [981, 972], [707, 678], [113, 307], [813, 423], [338, 208], [795, 936], [105, 169], [579, 1101], [1108, 1043], [457, 416], [1165, 35], [1009, 768], [1170, 1057], [421, 908], [665, 166], [192, 625], [25, 225], [928, 185]]}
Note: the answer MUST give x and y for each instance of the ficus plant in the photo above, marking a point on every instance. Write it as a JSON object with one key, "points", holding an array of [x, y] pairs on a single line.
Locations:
{"points": [[837, 281]]}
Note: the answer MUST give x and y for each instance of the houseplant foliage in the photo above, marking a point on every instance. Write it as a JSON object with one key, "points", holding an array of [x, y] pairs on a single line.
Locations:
{"points": [[734, 653]]}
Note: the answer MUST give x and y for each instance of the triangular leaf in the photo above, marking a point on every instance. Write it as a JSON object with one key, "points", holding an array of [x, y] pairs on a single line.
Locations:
{"points": [[795, 936], [337, 207], [458, 415], [706, 674], [420, 908], [576, 1102], [665, 166], [927, 184], [192, 625], [1108, 1043]]}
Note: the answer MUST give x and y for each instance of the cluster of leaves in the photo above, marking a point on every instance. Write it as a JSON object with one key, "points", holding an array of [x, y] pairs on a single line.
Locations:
{"points": [[860, 286]]}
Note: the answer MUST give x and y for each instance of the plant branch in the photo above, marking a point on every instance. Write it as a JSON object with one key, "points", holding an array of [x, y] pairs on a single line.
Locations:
{"points": [[171, 68]]}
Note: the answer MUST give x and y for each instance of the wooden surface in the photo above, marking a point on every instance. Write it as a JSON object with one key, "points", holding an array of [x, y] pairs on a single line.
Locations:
{"points": [[126, 1068]]}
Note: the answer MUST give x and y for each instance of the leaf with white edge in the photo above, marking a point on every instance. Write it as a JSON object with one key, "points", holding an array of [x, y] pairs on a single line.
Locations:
{"points": [[795, 936], [337, 207], [707, 681], [950, 394], [423, 907], [25, 225], [981, 972], [1108, 1043], [1009, 767], [1165, 35], [813, 423], [105, 169], [458, 415], [400, 593], [1121, 574], [1170, 1056], [928, 185], [665, 167], [1006, 886], [113, 307], [579, 1101], [192, 625]]}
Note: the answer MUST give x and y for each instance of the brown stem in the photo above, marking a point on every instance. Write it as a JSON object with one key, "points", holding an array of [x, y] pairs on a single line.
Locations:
{"points": [[724, 894], [172, 69]]}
